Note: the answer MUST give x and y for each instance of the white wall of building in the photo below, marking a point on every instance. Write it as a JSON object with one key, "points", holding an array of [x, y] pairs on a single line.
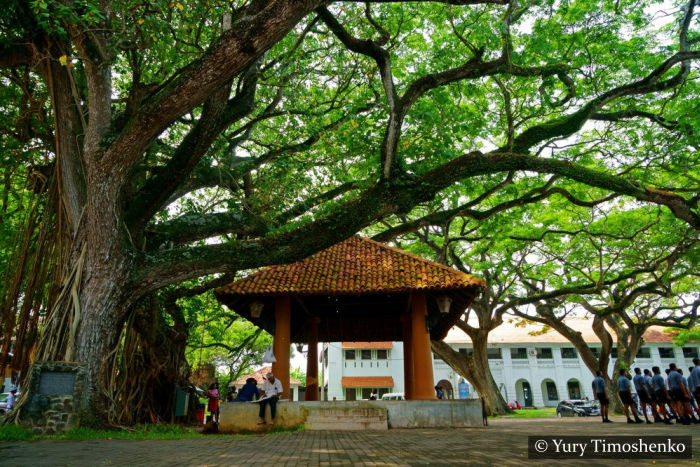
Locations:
{"points": [[337, 366], [512, 375], [6, 385]]}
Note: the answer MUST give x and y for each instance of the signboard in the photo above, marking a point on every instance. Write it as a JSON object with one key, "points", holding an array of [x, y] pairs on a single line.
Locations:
{"points": [[182, 400], [54, 383], [463, 389]]}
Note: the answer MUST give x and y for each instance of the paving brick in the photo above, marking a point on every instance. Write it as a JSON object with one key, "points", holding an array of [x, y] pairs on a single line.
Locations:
{"points": [[502, 443]]}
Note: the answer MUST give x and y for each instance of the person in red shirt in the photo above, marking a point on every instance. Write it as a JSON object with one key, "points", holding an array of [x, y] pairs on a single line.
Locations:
{"points": [[213, 395]]}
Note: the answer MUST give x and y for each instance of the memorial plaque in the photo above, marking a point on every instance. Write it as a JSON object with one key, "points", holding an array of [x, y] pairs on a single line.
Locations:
{"points": [[54, 383]]}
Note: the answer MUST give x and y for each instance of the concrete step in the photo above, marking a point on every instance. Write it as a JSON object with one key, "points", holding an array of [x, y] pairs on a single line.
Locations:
{"points": [[349, 412], [345, 425], [347, 418]]}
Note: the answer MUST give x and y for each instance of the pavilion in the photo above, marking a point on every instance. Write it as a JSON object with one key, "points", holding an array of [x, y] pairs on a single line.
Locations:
{"points": [[356, 290]]}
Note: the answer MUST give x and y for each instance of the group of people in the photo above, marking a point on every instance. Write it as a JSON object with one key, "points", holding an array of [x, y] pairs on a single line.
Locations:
{"points": [[248, 393], [669, 398], [271, 390]]}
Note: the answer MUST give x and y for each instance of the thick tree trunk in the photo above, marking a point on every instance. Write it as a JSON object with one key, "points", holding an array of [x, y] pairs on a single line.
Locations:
{"points": [[68, 133], [104, 298], [97, 336], [88, 326], [593, 363], [611, 390], [629, 340], [151, 362], [484, 382], [85, 322], [475, 368]]}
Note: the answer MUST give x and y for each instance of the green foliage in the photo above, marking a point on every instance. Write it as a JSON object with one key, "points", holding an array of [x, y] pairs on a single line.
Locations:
{"points": [[687, 335], [318, 120], [298, 374], [217, 336], [12, 432], [52, 16]]}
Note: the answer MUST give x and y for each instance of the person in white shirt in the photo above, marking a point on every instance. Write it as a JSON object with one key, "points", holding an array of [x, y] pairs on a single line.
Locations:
{"points": [[11, 399], [272, 388]]}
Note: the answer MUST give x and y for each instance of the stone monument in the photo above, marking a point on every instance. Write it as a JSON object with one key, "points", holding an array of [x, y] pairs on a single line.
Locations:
{"points": [[53, 388]]}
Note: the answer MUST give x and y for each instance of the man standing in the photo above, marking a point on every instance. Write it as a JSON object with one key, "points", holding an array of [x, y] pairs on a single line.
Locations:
{"points": [[690, 384], [272, 388], [644, 397], [624, 387], [679, 394], [695, 375], [652, 395], [690, 390], [599, 391], [11, 399], [661, 394], [671, 404]]}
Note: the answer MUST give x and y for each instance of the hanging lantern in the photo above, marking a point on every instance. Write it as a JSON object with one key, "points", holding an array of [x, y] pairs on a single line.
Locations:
{"points": [[444, 302], [256, 309]]}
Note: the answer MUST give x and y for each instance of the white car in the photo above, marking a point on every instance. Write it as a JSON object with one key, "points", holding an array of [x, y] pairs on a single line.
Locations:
{"points": [[393, 396]]}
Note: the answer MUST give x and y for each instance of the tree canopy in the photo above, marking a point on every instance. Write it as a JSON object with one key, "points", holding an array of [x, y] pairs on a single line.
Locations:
{"points": [[180, 140]]}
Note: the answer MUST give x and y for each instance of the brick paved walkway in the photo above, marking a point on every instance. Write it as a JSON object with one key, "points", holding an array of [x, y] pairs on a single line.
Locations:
{"points": [[502, 443]]}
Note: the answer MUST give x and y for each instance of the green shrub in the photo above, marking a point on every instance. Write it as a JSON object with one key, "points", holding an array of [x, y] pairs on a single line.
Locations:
{"points": [[12, 432]]}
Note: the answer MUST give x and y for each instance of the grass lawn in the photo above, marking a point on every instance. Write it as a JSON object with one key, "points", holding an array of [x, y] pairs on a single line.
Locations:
{"points": [[153, 432], [547, 412], [138, 432]]}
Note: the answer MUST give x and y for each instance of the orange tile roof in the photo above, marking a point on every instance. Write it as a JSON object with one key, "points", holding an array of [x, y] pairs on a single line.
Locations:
{"points": [[367, 382], [532, 333], [260, 375], [367, 345], [659, 335], [356, 266]]}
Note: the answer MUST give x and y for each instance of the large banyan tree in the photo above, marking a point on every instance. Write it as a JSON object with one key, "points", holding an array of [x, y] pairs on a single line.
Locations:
{"points": [[170, 141]]}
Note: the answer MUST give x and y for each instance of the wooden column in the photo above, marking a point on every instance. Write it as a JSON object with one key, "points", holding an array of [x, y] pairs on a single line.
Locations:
{"points": [[312, 360], [281, 343], [423, 381], [407, 358]]}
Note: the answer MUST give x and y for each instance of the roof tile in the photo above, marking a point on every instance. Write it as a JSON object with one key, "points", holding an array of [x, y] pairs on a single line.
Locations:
{"points": [[357, 265], [367, 382], [367, 345], [532, 333]]}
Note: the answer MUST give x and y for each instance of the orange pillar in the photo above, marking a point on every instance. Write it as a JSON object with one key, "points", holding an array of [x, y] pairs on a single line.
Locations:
{"points": [[312, 361], [281, 343], [423, 387], [407, 358]]}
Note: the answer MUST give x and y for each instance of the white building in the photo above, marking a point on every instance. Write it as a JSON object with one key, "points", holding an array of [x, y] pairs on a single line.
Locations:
{"points": [[537, 368], [6, 384]]}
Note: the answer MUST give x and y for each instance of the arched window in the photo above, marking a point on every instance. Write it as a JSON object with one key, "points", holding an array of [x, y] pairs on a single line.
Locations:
{"points": [[574, 388]]}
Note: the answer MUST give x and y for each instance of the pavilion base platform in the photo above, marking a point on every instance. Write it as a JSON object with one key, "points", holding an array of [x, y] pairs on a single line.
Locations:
{"points": [[237, 417]]}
